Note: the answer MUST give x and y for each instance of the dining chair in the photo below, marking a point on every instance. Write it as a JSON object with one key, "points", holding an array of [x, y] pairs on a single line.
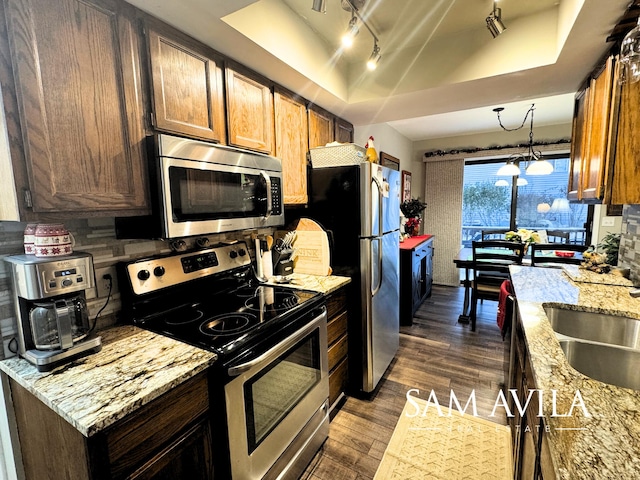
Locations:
{"points": [[495, 234], [491, 261], [543, 254], [557, 236]]}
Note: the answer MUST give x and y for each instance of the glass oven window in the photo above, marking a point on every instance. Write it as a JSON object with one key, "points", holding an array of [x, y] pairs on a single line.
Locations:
{"points": [[211, 195], [274, 392]]}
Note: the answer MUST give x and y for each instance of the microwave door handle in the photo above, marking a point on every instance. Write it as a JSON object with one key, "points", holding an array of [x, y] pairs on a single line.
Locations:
{"points": [[267, 181]]}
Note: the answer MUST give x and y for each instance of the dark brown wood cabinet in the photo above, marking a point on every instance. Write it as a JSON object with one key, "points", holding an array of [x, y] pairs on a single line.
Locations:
{"points": [[168, 438], [416, 276], [292, 138], [343, 131], [73, 102], [591, 139], [186, 84], [249, 109], [337, 339], [321, 127]]}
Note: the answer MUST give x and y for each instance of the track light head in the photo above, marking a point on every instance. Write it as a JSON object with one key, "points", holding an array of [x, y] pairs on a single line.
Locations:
{"points": [[352, 31], [319, 6], [494, 21], [375, 57]]}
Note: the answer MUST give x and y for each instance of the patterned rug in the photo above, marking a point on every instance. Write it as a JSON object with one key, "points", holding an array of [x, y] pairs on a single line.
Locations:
{"points": [[445, 447]]}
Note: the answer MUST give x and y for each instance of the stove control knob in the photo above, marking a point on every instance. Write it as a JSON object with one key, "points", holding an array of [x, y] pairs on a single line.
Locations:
{"points": [[144, 275], [233, 254], [158, 271], [242, 252]]}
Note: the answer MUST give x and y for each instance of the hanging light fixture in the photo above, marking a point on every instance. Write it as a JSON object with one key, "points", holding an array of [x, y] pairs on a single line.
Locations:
{"points": [[352, 31], [509, 169], [494, 21], [536, 164], [502, 183], [521, 182], [319, 6]]}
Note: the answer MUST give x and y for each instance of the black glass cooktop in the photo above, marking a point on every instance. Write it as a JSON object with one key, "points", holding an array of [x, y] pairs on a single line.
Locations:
{"points": [[225, 322]]}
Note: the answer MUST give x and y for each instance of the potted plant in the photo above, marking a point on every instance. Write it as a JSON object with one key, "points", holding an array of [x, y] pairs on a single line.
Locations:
{"points": [[412, 210], [610, 245]]}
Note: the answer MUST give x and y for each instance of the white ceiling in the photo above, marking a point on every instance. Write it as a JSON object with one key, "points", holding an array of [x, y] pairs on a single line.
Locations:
{"points": [[441, 72]]}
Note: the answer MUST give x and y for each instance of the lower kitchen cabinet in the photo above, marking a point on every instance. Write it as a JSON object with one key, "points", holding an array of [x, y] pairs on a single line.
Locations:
{"points": [[337, 339], [416, 275], [531, 455], [168, 438]]}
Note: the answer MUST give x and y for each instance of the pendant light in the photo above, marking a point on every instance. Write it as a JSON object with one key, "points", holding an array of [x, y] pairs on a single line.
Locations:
{"points": [[536, 165], [509, 169]]}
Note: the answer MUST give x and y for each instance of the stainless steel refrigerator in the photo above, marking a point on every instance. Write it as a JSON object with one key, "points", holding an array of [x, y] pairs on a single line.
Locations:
{"points": [[360, 207]]}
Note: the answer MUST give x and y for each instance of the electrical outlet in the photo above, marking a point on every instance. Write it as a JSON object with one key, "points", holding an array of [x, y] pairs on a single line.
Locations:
{"points": [[102, 284], [607, 222]]}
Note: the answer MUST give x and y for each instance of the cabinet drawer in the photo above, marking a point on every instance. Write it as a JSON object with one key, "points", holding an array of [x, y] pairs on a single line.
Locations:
{"points": [[337, 351], [336, 328], [338, 381], [136, 439], [336, 302]]}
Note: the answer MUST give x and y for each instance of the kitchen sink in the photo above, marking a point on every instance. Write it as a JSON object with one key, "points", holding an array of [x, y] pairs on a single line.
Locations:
{"points": [[597, 327], [605, 363]]}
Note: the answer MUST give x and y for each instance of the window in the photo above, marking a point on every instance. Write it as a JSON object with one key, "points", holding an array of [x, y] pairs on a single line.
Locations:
{"points": [[536, 202]]}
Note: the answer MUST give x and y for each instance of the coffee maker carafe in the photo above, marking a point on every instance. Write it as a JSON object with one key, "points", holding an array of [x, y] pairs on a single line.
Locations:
{"points": [[50, 299]]}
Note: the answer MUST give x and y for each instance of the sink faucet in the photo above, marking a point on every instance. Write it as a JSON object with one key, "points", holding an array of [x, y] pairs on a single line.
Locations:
{"points": [[635, 293]]}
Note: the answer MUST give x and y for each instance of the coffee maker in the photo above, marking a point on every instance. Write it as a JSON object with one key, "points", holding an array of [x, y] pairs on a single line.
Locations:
{"points": [[51, 308]]}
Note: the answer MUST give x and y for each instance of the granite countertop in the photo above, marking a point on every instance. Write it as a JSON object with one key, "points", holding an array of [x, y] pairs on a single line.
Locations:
{"points": [[315, 283], [607, 443], [133, 368]]}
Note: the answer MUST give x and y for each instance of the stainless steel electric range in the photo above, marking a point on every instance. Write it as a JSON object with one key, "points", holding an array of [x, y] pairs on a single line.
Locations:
{"points": [[269, 386]]}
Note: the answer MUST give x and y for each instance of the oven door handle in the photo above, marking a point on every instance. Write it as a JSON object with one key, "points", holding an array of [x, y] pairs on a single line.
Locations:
{"points": [[281, 347]]}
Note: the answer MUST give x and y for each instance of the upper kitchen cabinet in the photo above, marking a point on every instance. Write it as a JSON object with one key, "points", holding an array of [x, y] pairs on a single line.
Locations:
{"points": [[626, 167], [321, 127], [187, 87], [343, 131], [590, 145], [291, 144], [73, 106], [249, 109]]}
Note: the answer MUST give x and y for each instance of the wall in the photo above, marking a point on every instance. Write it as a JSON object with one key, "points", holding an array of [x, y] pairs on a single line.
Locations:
{"points": [[629, 255], [388, 140]]}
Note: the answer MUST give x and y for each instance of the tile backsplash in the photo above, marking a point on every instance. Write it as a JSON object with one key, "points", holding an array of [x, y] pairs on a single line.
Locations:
{"points": [[629, 255], [96, 236]]}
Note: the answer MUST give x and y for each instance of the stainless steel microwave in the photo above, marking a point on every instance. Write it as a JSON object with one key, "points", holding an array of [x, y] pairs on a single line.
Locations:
{"points": [[201, 188]]}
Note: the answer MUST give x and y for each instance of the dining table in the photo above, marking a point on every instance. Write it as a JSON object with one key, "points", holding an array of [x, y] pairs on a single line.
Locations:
{"points": [[464, 260]]}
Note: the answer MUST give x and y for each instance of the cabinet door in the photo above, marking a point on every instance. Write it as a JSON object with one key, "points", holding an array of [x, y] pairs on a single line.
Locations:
{"points": [[593, 165], [626, 171], [249, 110], [343, 131], [321, 127], [291, 144], [579, 142], [76, 68], [188, 457], [187, 94]]}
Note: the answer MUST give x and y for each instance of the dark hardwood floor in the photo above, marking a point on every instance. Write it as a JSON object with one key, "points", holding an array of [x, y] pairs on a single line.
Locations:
{"points": [[436, 353]]}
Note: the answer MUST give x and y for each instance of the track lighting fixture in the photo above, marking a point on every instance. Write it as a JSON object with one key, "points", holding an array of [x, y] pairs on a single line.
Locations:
{"points": [[375, 57], [352, 31], [494, 21], [319, 6]]}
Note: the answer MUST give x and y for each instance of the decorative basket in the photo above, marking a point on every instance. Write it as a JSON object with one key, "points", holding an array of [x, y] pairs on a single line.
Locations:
{"points": [[338, 155]]}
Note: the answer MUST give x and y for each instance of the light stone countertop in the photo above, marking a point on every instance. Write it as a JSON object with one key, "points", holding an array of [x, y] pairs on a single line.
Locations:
{"points": [[606, 444], [315, 283], [133, 368]]}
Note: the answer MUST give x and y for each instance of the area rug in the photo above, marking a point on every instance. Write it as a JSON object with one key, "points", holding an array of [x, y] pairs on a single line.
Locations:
{"points": [[459, 446]]}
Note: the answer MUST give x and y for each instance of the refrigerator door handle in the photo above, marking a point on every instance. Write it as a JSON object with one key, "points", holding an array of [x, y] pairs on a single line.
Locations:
{"points": [[378, 258], [375, 180]]}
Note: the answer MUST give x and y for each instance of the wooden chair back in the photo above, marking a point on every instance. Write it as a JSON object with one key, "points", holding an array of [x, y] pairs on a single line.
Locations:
{"points": [[495, 234], [557, 236]]}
